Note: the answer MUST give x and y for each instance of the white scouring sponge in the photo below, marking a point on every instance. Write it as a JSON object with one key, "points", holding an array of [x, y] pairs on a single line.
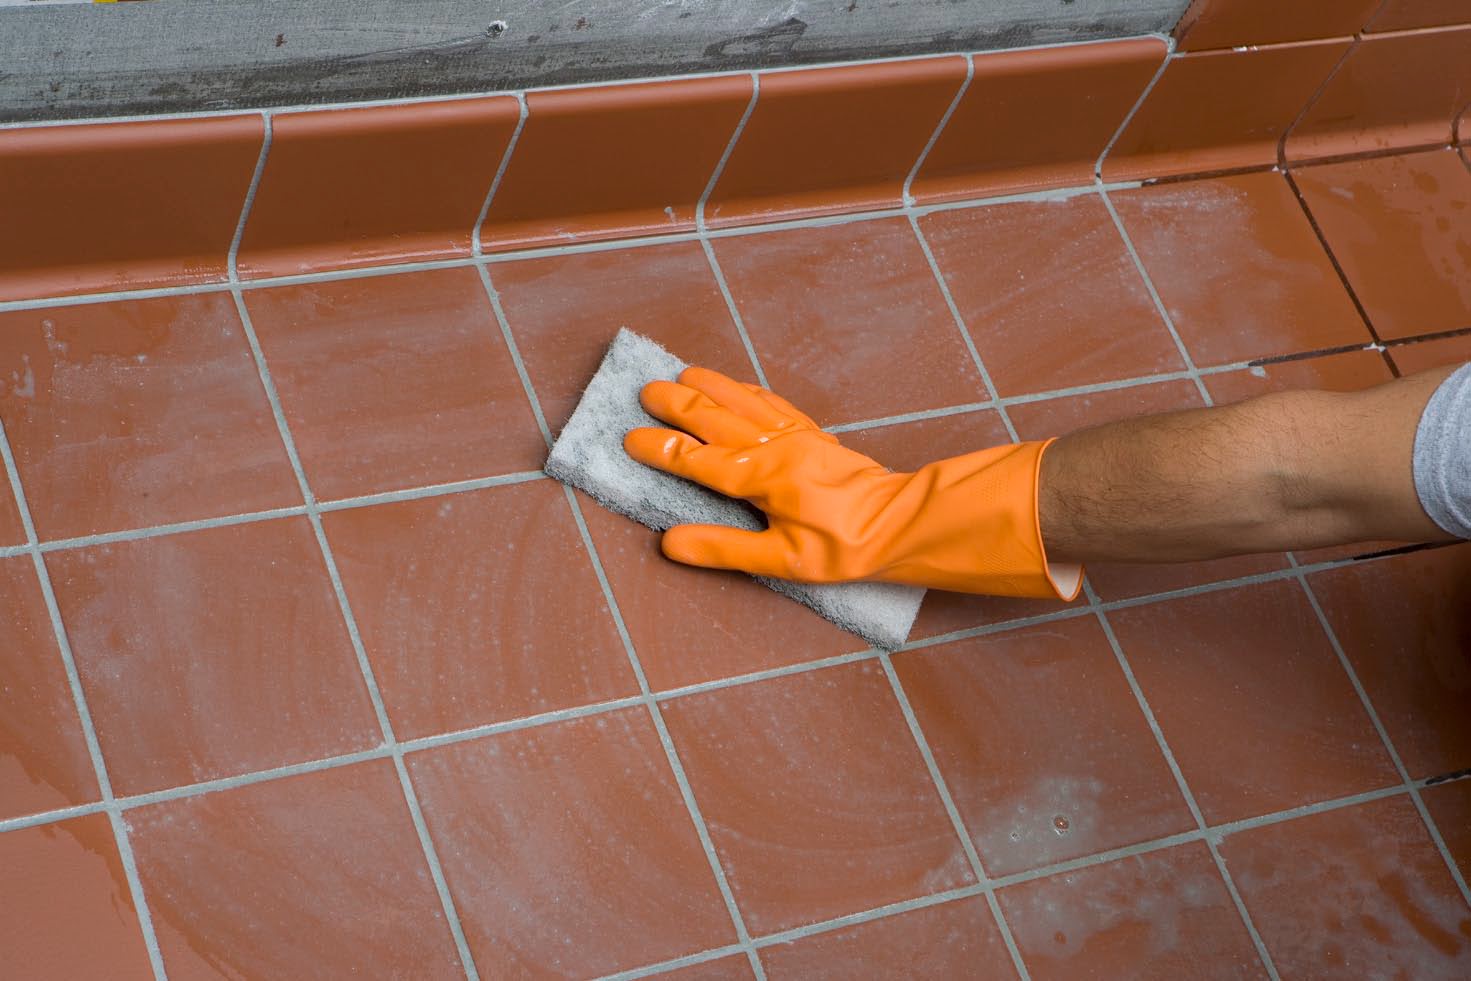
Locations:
{"points": [[589, 455]]}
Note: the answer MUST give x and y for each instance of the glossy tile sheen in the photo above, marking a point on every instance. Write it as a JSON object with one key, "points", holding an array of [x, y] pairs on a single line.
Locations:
{"points": [[212, 653], [568, 849], [1348, 372], [471, 607], [1164, 915], [816, 797], [1422, 356], [1400, 227], [1236, 23], [122, 205], [952, 940], [1219, 110], [1239, 268], [356, 187], [322, 869], [1401, 15], [848, 320], [614, 160], [137, 413], [1405, 624], [1355, 892], [1042, 744], [1449, 805], [44, 763], [1034, 119], [565, 311], [1252, 700], [823, 140], [395, 381], [66, 908]]}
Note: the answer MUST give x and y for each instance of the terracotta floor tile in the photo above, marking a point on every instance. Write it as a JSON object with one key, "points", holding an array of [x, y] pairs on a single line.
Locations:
{"points": [[44, 762], [1220, 110], [1164, 914], [734, 968], [1057, 302], [1239, 268], [395, 381], [568, 849], [122, 205], [816, 796], [1405, 624], [368, 185], [691, 625], [323, 869], [1039, 118], [848, 320], [1391, 91], [1042, 744], [1401, 229], [137, 413], [1358, 892], [1253, 702], [1403, 15], [1423, 355], [1237, 23], [1449, 805], [12, 532], [825, 140], [614, 160], [958, 939], [1113, 580], [212, 653], [66, 906], [478, 607], [565, 311]]}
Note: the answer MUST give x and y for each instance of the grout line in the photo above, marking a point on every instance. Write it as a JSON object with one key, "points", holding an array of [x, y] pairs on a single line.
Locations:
{"points": [[735, 313], [476, 248], [177, 528], [768, 674], [365, 668], [430, 490], [1134, 109], [509, 340], [232, 258], [688, 960], [437, 740], [726, 154], [1317, 93], [970, 74]]}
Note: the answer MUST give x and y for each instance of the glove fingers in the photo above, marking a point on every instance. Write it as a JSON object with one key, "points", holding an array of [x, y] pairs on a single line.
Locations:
{"points": [[734, 396], [719, 547], [782, 405], [695, 413], [682, 455]]}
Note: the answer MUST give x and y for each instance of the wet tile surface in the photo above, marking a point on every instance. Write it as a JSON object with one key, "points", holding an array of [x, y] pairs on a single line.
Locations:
{"points": [[1237, 23], [811, 824], [1404, 15], [234, 880], [1425, 355], [1449, 805]]}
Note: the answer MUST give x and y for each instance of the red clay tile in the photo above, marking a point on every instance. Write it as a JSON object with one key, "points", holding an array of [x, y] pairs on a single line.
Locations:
{"points": [[1358, 892], [565, 311], [1039, 118], [827, 140], [1113, 580], [614, 160], [1401, 229], [1405, 624], [137, 413], [1237, 23], [691, 625], [471, 605], [1424, 355], [1221, 110], [1449, 805], [395, 381], [1042, 744], [66, 906], [1057, 302], [568, 849], [1390, 92], [211, 653], [322, 869], [848, 320], [734, 968], [122, 205], [958, 939], [1252, 700], [1403, 15], [360, 187], [816, 796], [12, 532], [1164, 915], [1267, 288], [44, 763]]}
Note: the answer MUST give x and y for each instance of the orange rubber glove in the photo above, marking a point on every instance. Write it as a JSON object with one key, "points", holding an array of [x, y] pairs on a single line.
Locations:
{"points": [[967, 524]]}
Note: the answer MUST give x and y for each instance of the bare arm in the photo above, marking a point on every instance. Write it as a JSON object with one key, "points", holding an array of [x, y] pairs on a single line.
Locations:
{"points": [[1288, 470]]}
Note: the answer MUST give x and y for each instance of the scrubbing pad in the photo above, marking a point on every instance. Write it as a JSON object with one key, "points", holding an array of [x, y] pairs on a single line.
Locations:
{"points": [[589, 456]]}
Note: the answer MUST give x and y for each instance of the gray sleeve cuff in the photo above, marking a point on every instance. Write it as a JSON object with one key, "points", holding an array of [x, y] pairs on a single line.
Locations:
{"points": [[1443, 455]]}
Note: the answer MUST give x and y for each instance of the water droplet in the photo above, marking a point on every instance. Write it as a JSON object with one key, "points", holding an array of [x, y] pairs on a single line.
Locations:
{"points": [[1060, 825]]}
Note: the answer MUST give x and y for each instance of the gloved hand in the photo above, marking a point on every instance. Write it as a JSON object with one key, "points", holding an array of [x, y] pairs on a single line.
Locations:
{"points": [[967, 524]]}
